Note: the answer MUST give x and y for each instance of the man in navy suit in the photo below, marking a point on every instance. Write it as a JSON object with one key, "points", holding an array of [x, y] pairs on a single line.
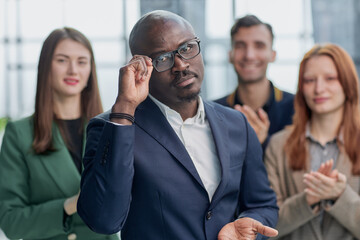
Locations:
{"points": [[165, 164]]}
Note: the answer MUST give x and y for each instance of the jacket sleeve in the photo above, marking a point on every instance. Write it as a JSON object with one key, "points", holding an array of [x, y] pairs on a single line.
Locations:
{"points": [[19, 218], [106, 182], [346, 210], [294, 210], [257, 199]]}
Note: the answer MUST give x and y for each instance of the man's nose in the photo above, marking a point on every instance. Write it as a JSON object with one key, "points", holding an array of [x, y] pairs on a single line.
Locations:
{"points": [[180, 64], [250, 53]]}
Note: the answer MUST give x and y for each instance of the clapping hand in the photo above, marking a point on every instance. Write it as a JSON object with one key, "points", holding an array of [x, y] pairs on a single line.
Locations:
{"points": [[324, 184], [258, 120]]}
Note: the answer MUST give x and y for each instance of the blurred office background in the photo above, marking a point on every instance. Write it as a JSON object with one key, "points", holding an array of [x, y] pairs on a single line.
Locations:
{"points": [[297, 24], [24, 24]]}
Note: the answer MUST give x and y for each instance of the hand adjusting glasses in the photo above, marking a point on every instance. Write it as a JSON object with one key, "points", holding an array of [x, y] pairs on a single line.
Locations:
{"points": [[187, 51]]}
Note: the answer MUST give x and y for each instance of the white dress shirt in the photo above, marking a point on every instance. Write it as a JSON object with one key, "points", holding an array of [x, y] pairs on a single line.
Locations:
{"points": [[195, 133]]}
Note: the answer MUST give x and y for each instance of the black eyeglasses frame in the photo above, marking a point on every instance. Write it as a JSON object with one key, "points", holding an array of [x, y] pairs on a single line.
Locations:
{"points": [[176, 51]]}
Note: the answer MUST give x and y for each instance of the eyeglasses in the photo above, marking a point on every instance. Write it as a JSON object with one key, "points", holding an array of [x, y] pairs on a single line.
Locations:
{"points": [[186, 51]]}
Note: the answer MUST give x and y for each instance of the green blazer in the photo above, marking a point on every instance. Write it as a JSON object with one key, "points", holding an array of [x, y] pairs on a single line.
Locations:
{"points": [[33, 188]]}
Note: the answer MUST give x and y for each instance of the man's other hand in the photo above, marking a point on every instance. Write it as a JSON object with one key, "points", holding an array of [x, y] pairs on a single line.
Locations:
{"points": [[245, 229]]}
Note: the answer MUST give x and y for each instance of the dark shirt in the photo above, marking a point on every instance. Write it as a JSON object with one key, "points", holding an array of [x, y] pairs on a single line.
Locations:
{"points": [[74, 133], [279, 108]]}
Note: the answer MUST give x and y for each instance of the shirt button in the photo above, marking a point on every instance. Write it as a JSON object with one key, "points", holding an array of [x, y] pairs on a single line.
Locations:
{"points": [[71, 236], [208, 215]]}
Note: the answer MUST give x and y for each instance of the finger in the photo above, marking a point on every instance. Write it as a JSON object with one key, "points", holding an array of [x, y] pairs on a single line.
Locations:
{"points": [[322, 169], [135, 68], [334, 174], [149, 66], [243, 111], [325, 180], [251, 113], [316, 184], [222, 237], [142, 69], [325, 168], [252, 117], [141, 65], [330, 162], [263, 117], [313, 186], [309, 177], [266, 231], [239, 108], [328, 165], [341, 178], [310, 192], [320, 187]]}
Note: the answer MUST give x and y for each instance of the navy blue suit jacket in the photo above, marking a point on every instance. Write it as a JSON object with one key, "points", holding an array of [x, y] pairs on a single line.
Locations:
{"points": [[140, 179]]}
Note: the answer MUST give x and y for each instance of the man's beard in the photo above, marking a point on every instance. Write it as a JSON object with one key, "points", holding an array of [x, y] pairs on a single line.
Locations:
{"points": [[190, 97]]}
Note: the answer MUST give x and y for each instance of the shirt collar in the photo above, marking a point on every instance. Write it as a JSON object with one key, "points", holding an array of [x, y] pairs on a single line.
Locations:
{"points": [[308, 135], [169, 113], [268, 102]]}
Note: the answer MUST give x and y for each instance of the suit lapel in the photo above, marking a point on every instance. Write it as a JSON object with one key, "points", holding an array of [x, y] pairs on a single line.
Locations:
{"points": [[150, 119], [221, 138], [60, 166]]}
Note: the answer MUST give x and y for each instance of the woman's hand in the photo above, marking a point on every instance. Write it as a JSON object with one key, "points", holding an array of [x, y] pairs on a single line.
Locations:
{"points": [[322, 187], [325, 169], [70, 204]]}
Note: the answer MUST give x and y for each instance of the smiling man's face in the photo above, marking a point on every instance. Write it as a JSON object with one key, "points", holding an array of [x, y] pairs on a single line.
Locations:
{"points": [[251, 53]]}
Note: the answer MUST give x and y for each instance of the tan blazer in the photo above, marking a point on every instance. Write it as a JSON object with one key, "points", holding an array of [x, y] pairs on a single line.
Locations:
{"points": [[296, 218]]}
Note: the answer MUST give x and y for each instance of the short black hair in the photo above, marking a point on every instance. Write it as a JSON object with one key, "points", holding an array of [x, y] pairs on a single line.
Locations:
{"points": [[249, 21]]}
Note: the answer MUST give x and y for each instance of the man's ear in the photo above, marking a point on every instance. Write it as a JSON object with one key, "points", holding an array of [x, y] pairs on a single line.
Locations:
{"points": [[273, 56]]}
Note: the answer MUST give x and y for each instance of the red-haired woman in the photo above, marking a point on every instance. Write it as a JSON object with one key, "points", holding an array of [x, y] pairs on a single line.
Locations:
{"points": [[40, 158], [314, 165]]}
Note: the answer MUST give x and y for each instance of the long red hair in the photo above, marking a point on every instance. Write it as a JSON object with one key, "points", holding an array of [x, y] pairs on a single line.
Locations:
{"points": [[296, 144]]}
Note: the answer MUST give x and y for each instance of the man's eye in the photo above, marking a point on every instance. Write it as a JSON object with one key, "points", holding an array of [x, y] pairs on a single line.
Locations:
{"points": [[186, 48], [238, 45], [162, 58]]}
